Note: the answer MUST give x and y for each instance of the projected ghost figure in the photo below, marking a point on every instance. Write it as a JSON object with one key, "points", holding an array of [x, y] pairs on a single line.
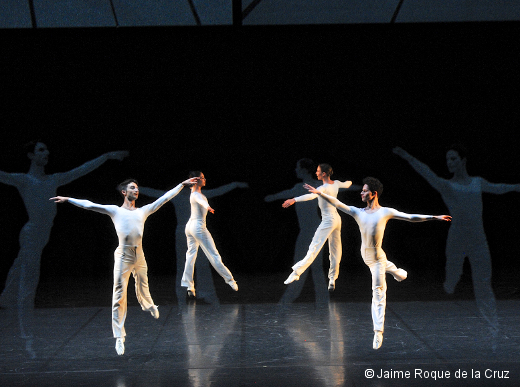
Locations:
{"points": [[35, 188], [462, 194]]}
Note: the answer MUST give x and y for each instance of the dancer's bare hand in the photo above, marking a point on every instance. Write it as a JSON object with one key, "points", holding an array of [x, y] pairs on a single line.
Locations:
{"points": [[288, 203], [311, 189], [59, 199]]}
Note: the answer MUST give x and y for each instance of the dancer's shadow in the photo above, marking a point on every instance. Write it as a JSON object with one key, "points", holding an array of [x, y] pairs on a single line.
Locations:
{"points": [[462, 194], [35, 188], [203, 277]]}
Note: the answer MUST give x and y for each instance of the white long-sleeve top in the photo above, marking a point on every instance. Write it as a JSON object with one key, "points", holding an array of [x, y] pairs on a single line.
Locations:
{"points": [[199, 207], [327, 209], [372, 225], [129, 224]]}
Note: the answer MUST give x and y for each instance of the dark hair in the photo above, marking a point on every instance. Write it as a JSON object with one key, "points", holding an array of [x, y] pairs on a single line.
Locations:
{"points": [[326, 168], [460, 149], [306, 164], [124, 184], [194, 174], [374, 185]]}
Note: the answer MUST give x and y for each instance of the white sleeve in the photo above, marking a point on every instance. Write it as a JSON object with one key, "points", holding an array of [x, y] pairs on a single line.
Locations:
{"points": [[88, 205], [344, 184], [408, 217], [199, 198], [152, 207], [340, 205], [306, 197]]}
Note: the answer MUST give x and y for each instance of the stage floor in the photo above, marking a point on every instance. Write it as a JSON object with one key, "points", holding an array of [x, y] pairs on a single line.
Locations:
{"points": [[434, 343]]}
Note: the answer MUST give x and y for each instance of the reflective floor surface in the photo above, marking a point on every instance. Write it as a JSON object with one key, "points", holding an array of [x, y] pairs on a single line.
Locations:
{"points": [[434, 343]]}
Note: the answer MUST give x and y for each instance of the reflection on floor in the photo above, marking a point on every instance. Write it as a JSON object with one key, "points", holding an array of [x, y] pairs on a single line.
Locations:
{"points": [[268, 344]]}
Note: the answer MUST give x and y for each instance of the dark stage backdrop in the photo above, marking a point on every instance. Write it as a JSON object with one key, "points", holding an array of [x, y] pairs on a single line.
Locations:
{"points": [[244, 104]]}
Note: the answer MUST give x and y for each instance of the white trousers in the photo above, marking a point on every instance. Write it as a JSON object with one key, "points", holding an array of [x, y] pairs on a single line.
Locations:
{"points": [[198, 235], [376, 260], [128, 260], [329, 229]]}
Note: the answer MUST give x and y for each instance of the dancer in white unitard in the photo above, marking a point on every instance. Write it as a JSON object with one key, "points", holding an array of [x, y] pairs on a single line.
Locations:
{"points": [[35, 188], [308, 221], [329, 228], [198, 235], [372, 222], [462, 194], [129, 256], [181, 203]]}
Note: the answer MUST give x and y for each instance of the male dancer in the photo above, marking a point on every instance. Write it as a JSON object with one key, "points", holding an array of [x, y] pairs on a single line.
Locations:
{"points": [[372, 222], [129, 257], [35, 187], [462, 194], [329, 228]]}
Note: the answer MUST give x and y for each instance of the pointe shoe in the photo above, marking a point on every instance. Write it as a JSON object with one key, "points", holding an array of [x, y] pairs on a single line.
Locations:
{"points": [[293, 277], [191, 293], [233, 285], [400, 275], [332, 285], [120, 346], [378, 339], [155, 311]]}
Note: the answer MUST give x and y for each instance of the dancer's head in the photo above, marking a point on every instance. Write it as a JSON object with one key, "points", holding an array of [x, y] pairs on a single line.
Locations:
{"points": [[456, 157], [372, 185], [37, 152], [128, 189], [304, 167], [323, 170], [201, 182]]}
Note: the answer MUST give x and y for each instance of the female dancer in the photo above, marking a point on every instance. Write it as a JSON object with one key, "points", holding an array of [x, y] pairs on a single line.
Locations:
{"points": [[329, 228], [197, 234]]}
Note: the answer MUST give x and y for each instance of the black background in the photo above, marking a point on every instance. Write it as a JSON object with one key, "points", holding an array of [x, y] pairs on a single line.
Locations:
{"points": [[244, 104]]}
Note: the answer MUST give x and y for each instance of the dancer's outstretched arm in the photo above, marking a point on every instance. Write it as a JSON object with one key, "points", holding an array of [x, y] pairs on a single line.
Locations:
{"points": [[498, 188], [14, 179], [86, 204], [421, 168], [332, 200], [417, 217], [67, 177]]}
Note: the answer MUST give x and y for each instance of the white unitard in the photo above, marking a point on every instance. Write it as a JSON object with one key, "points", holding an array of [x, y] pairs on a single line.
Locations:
{"points": [[329, 229], [372, 228], [198, 235], [128, 257]]}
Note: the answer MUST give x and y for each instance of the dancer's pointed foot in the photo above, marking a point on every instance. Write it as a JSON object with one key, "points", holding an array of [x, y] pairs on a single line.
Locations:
{"points": [[233, 285], [155, 311], [378, 339], [191, 293], [293, 277], [120, 346], [332, 285], [400, 275]]}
